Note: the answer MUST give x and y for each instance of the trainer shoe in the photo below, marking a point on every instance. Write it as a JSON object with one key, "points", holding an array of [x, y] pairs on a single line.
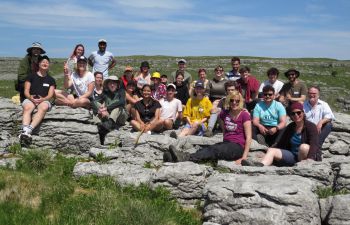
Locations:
{"points": [[178, 156], [249, 162], [167, 157]]}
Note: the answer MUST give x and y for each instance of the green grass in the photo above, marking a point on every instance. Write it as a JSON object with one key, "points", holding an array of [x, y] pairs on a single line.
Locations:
{"points": [[46, 193], [328, 191]]}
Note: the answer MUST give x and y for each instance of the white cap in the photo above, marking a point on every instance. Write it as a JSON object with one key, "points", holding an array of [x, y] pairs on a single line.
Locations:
{"points": [[102, 40], [181, 61]]}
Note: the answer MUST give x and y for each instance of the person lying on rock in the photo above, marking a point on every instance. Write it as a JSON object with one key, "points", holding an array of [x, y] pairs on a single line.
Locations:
{"points": [[196, 113], [39, 88], [269, 118], [236, 124], [80, 85], [109, 111], [146, 113], [299, 142]]}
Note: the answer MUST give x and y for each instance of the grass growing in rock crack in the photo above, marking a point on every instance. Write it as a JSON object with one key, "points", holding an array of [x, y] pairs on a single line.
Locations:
{"points": [[42, 191], [329, 191]]}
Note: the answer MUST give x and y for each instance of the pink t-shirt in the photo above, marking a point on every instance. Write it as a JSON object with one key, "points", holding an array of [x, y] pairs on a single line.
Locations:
{"points": [[234, 129]]}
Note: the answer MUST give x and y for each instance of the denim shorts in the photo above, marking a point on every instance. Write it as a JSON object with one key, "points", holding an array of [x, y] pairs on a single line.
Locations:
{"points": [[200, 131], [288, 158]]}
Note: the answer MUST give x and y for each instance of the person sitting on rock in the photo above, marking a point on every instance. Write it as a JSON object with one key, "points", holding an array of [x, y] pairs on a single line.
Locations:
{"points": [[158, 89], [98, 90], [293, 91], [202, 76], [298, 142], [39, 88], [28, 65], [81, 83], [237, 136], [171, 108], [269, 118], [146, 113], [131, 96], [143, 77], [109, 111], [196, 113], [272, 75], [318, 112]]}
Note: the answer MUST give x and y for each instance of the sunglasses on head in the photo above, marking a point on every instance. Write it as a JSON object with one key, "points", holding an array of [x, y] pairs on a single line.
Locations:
{"points": [[234, 101], [268, 94], [296, 113]]}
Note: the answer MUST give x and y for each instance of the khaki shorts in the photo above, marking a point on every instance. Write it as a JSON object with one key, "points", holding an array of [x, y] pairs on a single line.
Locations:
{"points": [[26, 101]]}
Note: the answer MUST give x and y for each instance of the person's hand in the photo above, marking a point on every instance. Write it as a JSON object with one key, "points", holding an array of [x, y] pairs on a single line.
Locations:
{"points": [[263, 130], [239, 161], [319, 127], [288, 96], [272, 131], [65, 69], [36, 99]]}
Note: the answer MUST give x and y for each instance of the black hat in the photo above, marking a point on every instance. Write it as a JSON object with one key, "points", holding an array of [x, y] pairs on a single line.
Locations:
{"points": [[41, 58], [82, 58], [145, 64], [292, 70], [199, 83]]}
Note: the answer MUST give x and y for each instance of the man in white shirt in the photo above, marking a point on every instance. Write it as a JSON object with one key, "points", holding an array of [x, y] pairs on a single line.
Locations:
{"points": [[102, 60], [319, 113], [171, 108]]}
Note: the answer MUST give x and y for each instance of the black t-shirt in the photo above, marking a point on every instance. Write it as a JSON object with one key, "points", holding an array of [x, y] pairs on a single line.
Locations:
{"points": [[40, 85], [147, 112], [182, 92]]}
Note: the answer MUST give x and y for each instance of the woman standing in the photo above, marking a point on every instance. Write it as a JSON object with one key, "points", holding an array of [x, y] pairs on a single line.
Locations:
{"points": [[146, 114], [237, 137], [81, 83], [38, 90], [298, 142], [73, 59]]}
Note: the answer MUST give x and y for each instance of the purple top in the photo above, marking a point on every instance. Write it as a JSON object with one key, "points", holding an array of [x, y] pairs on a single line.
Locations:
{"points": [[234, 129]]}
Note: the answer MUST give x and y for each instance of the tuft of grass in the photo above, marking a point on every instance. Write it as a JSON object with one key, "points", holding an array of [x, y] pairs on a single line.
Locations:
{"points": [[54, 197], [329, 191], [100, 158], [115, 144], [16, 148], [35, 160]]}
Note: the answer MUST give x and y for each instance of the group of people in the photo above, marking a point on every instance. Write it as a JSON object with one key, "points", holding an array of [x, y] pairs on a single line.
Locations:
{"points": [[234, 102]]}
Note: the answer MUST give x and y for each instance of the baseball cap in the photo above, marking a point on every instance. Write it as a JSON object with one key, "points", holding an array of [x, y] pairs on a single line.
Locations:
{"points": [[171, 86], [182, 61], [102, 40]]}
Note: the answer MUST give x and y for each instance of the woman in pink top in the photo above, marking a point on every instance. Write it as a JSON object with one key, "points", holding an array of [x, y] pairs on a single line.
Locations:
{"points": [[236, 124]]}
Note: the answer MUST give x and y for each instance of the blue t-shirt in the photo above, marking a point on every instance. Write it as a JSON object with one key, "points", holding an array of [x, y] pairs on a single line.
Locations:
{"points": [[269, 115], [295, 142]]}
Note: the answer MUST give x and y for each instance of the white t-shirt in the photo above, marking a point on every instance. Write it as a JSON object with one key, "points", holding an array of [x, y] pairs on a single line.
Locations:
{"points": [[80, 84], [277, 85], [169, 109], [101, 62]]}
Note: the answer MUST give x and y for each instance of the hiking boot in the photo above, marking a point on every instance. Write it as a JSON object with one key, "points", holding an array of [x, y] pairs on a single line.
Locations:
{"points": [[167, 157], [178, 156], [249, 162], [261, 140], [102, 132], [173, 134], [25, 139], [208, 133]]}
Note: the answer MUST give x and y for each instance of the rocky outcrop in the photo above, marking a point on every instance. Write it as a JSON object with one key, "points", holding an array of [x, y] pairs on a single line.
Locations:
{"points": [[229, 193]]}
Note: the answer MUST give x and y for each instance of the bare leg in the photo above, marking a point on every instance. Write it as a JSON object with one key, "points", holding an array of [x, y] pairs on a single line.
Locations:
{"points": [[40, 114], [271, 154], [303, 151], [27, 113], [81, 102], [168, 124], [189, 131], [62, 98], [135, 125], [156, 125]]}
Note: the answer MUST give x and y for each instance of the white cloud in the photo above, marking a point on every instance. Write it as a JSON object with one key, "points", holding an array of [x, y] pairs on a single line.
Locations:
{"points": [[151, 4]]}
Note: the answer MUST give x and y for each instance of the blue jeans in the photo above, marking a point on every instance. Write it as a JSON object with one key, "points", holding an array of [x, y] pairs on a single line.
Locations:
{"points": [[326, 129]]}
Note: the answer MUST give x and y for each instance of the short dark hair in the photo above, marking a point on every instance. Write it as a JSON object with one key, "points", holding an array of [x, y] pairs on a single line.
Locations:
{"points": [[272, 70], [146, 85], [98, 72], [229, 83], [268, 88], [315, 86], [202, 70], [244, 69], [178, 73], [219, 67], [235, 58]]}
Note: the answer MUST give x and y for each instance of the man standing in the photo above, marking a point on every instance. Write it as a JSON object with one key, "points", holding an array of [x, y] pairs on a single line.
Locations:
{"points": [[269, 118], [182, 66], [293, 91], [319, 113], [171, 108], [102, 60], [234, 73], [28, 65], [272, 75]]}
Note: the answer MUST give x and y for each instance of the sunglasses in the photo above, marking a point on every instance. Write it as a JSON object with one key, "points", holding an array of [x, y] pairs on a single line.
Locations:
{"points": [[268, 94], [296, 113], [291, 74], [234, 101]]}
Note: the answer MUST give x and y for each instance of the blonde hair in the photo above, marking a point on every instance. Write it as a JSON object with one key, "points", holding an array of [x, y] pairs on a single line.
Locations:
{"points": [[233, 95]]}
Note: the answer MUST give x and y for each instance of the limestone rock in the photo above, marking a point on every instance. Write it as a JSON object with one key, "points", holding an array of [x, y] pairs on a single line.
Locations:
{"points": [[340, 210], [341, 123], [107, 153], [185, 180], [343, 180], [269, 199]]}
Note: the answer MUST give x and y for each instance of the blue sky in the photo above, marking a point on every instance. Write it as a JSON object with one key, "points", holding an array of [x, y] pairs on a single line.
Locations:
{"points": [[310, 28]]}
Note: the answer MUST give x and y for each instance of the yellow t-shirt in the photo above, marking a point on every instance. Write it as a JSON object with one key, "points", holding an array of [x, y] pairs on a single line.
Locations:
{"points": [[197, 109]]}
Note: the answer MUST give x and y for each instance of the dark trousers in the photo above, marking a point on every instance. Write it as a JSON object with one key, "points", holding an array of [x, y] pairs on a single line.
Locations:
{"points": [[220, 151], [269, 139], [326, 129]]}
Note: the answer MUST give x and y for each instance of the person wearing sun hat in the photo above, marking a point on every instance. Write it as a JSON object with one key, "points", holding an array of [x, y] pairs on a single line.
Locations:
{"points": [[109, 111], [158, 89], [298, 142], [293, 91], [28, 65]]}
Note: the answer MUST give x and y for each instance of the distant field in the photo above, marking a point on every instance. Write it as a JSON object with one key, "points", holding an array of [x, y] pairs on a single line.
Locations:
{"points": [[333, 76]]}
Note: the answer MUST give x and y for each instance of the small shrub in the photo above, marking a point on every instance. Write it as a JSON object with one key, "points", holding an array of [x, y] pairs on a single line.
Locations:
{"points": [[34, 160], [100, 158]]}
